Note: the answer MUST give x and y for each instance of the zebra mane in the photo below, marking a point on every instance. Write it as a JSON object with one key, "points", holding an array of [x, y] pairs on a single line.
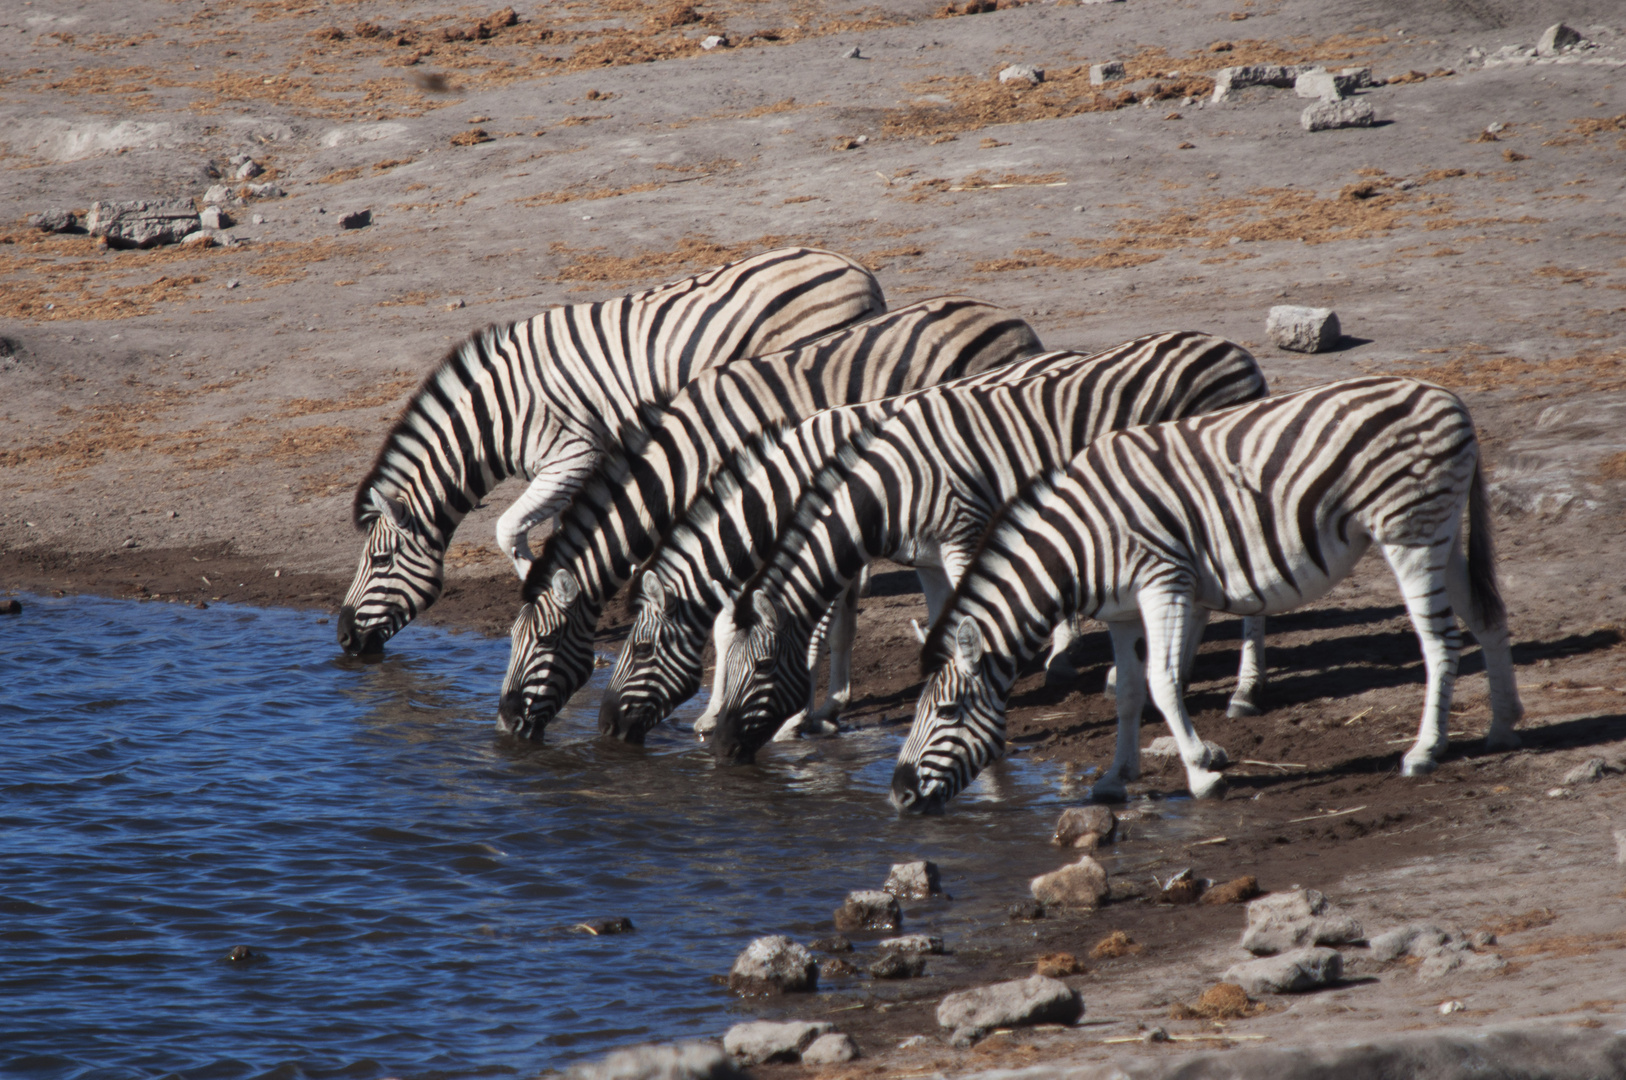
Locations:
{"points": [[396, 443], [935, 650]]}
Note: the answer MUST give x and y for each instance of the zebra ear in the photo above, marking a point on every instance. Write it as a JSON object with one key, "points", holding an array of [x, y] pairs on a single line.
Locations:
{"points": [[565, 589], [968, 643], [767, 617], [388, 507], [654, 591]]}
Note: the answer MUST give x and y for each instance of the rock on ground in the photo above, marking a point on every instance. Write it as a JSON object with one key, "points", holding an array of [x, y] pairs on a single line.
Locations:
{"points": [[1461, 961], [869, 909], [682, 1061], [899, 965], [1034, 1000], [54, 220], [1111, 71], [760, 1041], [143, 223], [1416, 939], [1590, 770], [1303, 329], [1085, 827], [1442, 953], [1321, 83], [1236, 78], [1555, 38], [1283, 922], [1026, 74], [1330, 115], [773, 964], [831, 1049], [913, 880], [1289, 973], [1166, 746], [1080, 884], [918, 943]]}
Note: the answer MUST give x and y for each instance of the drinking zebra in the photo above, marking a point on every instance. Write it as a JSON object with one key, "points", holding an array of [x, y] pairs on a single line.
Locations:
{"points": [[547, 397], [918, 487], [616, 519], [1259, 509]]}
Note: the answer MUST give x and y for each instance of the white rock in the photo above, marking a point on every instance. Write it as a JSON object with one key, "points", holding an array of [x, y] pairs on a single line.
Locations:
{"points": [[832, 1048], [1274, 937], [1245, 75], [54, 220], [142, 223], [714, 41], [852, 54], [1320, 83], [1417, 939], [1166, 746], [1111, 71], [773, 964], [1330, 115], [1286, 907], [914, 880], [1449, 1007], [1589, 771], [248, 170], [1080, 884], [1022, 73], [1034, 1000], [1303, 329], [217, 193], [201, 238], [1289, 973], [869, 909], [1459, 961], [763, 1041], [683, 1061], [1555, 38], [212, 217], [912, 943]]}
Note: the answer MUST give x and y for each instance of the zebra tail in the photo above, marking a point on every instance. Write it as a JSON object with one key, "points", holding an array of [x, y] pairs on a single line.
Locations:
{"points": [[1483, 591]]}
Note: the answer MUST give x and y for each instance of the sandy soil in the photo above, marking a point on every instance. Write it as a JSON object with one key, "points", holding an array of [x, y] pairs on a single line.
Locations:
{"points": [[186, 425]]}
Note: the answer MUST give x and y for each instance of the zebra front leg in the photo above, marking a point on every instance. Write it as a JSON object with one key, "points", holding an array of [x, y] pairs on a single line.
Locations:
{"points": [[1173, 627], [547, 494], [843, 627], [1421, 572], [1496, 647], [1058, 670], [1127, 640], [1250, 677]]}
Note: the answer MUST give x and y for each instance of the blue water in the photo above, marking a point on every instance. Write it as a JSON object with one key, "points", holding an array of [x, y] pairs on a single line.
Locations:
{"points": [[176, 782]]}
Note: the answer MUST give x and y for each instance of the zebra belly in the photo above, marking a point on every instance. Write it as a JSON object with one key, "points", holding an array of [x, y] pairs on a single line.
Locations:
{"points": [[1262, 587]]}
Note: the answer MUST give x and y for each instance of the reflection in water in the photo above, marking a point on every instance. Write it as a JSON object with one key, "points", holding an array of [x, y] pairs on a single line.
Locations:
{"points": [[179, 782]]}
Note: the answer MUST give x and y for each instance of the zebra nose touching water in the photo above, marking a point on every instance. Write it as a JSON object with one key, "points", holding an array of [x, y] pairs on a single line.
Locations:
{"points": [[1257, 509], [545, 398]]}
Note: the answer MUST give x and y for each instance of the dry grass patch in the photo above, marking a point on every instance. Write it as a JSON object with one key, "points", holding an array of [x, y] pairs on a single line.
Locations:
{"points": [[1476, 369], [318, 440], [597, 265], [554, 198], [386, 394], [1114, 945]]}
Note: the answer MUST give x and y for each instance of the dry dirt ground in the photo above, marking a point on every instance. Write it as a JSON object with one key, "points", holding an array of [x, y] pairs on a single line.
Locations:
{"points": [[175, 415]]}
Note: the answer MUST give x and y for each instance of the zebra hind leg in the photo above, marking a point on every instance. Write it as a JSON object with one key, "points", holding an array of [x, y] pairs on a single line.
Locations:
{"points": [[1111, 787], [1250, 677], [1421, 571], [843, 626], [1496, 647]]}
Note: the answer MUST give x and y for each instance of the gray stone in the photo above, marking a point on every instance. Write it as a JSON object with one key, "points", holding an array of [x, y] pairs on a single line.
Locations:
{"points": [[54, 220], [1111, 71], [1416, 939], [356, 219], [1034, 1000], [217, 193], [899, 965], [832, 1048], [1026, 74], [1085, 827], [762, 1041], [1237, 78], [1555, 38], [869, 909], [1289, 973], [1360, 77], [201, 238], [1330, 115], [264, 191], [1286, 906], [852, 54], [834, 944], [914, 880], [1273, 937], [714, 41], [1080, 884], [1590, 770], [1303, 329], [1321, 83], [681, 1061], [248, 170], [913, 943], [1459, 961], [143, 223], [1165, 746], [1620, 847], [773, 964], [212, 217]]}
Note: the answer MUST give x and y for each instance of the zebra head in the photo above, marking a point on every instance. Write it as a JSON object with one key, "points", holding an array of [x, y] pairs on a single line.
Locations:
{"points": [[959, 728], [400, 574], [660, 665], [766, 679], [759, 675], [551, 656]]}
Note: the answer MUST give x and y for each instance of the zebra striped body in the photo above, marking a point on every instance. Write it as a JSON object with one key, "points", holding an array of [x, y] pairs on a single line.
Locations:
{"points": [[1256, 510], [923, 486], [614, 522], [999, 429], [546, 398]]}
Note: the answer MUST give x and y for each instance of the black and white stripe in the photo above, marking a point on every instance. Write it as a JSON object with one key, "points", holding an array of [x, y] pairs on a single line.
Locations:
{"points": [[1255, 510], [547, 397], [616, 519], [922, 487], [974, 442]]}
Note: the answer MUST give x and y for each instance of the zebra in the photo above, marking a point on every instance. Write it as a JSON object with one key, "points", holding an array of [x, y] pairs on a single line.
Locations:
{"points": [[1260, 508], [547, 397], [918, 488], [616, 519]]}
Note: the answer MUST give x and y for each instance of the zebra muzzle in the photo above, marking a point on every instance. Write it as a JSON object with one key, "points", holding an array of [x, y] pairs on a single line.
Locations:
{"points": [[353, 641]]}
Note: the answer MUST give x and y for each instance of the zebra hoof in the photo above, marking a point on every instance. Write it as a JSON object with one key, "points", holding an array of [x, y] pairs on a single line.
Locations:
{"points": [[1240, 707], [820, 727], [1106, 791], [1422, 767], [1502, 740], [1205, 784]]}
